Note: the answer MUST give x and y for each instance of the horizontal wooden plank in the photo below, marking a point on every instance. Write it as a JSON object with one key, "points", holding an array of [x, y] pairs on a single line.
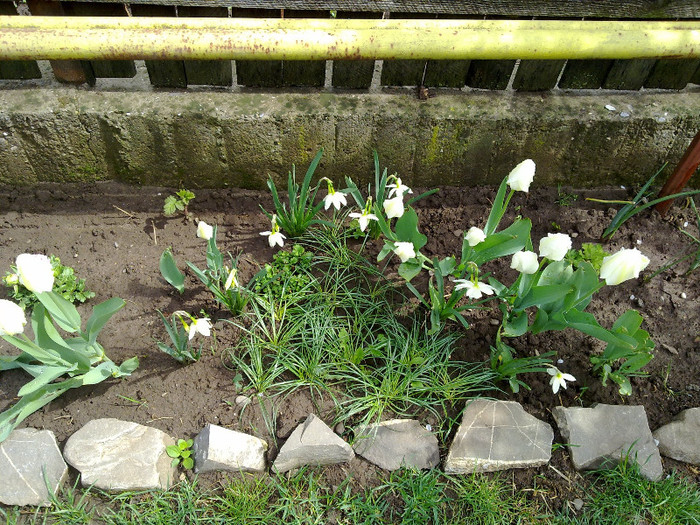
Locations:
{"points": [[539, 8]]}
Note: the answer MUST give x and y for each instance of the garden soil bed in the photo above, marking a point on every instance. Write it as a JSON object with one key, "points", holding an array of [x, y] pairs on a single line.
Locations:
{"points": [[113, 235]]}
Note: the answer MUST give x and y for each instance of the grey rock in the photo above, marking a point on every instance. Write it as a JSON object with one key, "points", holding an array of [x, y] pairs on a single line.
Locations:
{"points": [[312, 443], [120, 455], [498, 435], [606, 434], [578, 504], [242, 401], [218, 448], [397, 443], [26, 456], [680, 439]]}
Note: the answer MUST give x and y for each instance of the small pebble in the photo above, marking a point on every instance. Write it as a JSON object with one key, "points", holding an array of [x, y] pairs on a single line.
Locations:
{"points": [[560, 361], [578, 504], [610, 107], [242, 401], [339, 429], [639, 241], [116, 244], [624, 114], [640, 303], [685, 224], [683, 296], [428, 427], [631, 297], [622, 188], [494, 322]]}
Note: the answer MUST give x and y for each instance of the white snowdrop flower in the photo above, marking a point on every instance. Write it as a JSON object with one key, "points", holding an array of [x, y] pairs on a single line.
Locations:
{"points": [[558, 378], [474, 290], [200, 326]]}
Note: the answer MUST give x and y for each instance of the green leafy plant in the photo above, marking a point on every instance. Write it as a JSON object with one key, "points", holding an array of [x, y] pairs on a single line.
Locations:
{"points": [[302, 211], [181, 454], [66, 284], [178, 202], [55, 363], [178, 331], [508, 367], [289, 273], [565, 198], [589, 252]]}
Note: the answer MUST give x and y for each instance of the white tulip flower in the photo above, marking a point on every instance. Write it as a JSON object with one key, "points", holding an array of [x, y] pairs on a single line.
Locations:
{"points": [[520, 178], [525, 262], [394, 207], [204, 231], [405, 251], [623, 265], [232, 279], [475, 235], [200, 326], [474, 289], [274, 237], [364, 218], [35, 272], [398, 188], [555, 246], [12, 319], [558, 379]]}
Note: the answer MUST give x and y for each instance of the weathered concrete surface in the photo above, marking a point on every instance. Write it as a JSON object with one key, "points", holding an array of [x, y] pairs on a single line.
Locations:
{"points": [[216, 139]]}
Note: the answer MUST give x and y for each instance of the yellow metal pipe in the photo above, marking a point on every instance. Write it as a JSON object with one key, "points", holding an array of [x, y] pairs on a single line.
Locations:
{"points": [[91, 38]]}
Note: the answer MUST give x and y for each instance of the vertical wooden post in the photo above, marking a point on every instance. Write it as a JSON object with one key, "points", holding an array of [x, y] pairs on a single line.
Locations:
{"points": [[681, 175]]}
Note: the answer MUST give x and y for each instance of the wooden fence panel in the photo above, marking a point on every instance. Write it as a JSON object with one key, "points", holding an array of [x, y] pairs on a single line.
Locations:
{"points": [[695, 79], [207, 72], [162, 73], [537, 75], [258, 73], [628, 74], [308, 73], [671, 74], [103, 68], [16, 69], [490, 74], [403, 72], [353, 74], [584, 74]]}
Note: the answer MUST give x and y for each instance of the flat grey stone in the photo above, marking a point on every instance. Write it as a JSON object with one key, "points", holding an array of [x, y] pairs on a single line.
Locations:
{"points": [[312, 443], [218, 448], [605, 434], [120, 455], [397, 443], [26, 456], [498, 435], [680, 439]]}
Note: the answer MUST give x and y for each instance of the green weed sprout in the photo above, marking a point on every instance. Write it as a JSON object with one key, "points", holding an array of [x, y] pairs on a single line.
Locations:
{"points": [[66, 284], [177, 202], [57, 364], [181, 454], [302, 211], [181, 333]]}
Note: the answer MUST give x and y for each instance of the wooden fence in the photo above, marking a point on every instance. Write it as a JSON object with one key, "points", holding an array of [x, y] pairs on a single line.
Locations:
{"points": [[523, 75]]}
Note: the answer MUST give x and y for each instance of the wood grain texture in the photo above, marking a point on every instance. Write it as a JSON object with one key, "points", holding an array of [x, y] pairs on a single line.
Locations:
{"points": [[490, 74], [584, 74], [539, 8], [537, 75], [628, 74], [207, 72], [258, 73], [671, 74]]}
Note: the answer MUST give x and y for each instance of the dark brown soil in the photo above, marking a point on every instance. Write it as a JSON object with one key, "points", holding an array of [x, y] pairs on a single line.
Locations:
{"points": [[113, 236]]}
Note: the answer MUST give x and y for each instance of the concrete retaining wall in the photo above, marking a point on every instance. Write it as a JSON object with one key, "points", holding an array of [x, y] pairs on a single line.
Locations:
{"points": [[215, 139]]}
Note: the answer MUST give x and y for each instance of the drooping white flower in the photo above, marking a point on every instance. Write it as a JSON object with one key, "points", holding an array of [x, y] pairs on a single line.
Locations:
{"points": [[525, 261], [623, 265], [474, 290], [334, 198], [555, 246], [394, 207], [204, 230], [558, 378], [397, 189], [232, 279], [520, 177], [35, 272], [12, 319], [364, 218], [404, 250], [475, 235], [274, 236], [200, 326]]}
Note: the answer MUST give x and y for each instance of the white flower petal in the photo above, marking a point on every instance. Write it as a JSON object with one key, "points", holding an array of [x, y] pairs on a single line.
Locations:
{"points": [[555, 246], [35, 272], [520, 178], [12, 319], [622, 266]]}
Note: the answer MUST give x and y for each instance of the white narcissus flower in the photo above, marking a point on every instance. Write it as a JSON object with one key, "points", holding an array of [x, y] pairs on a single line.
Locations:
{"points": [[555, 246], [232, 279], [334, 198], [404, 250], [474, 290], [623, 265], [394, 207], [520, 177], [200, 326], [204, 231], [475, 235], [363, 219], [398, 188], [35, 272], [12, 318], [274, 237], [525, 262], [558, 379]]}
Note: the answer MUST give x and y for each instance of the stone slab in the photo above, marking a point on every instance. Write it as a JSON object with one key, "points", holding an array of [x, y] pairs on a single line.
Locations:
{"points": [[498, 435], [680, 439], [29, 459], [218, 448], [605, 434], [117, 455], [398, 443], [312, 443]]}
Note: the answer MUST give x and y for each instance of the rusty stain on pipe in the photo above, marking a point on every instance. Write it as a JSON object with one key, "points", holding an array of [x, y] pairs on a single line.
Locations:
{"points": [[95, 38]]}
